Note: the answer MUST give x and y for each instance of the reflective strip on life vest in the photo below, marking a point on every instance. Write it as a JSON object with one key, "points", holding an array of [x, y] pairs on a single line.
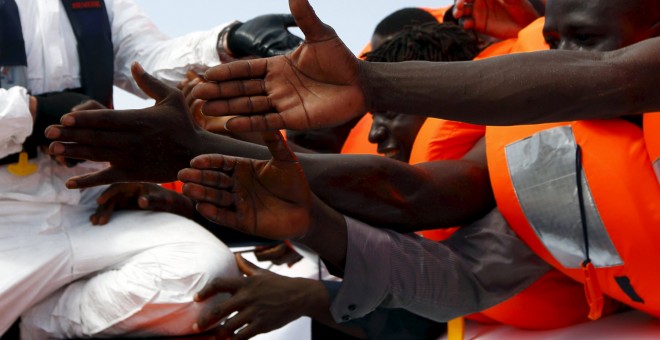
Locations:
{"points": [[542, 169]]}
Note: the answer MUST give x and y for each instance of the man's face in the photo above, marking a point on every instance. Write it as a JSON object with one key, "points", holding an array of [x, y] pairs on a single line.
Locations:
{"points": [[596, 25], [395, 133]]}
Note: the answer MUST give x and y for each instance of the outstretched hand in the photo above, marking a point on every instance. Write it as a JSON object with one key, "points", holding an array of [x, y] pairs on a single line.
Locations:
{"points": [[146, 145], [501, 19], [315, 86], [140, 196], [270, 199], [263, 300]]}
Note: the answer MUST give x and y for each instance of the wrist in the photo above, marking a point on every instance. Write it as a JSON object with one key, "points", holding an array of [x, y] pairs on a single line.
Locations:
{"points": [[327, 233]]}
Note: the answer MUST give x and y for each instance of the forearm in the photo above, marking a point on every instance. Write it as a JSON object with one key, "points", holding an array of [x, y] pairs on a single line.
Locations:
{"points": [[450, 279], [519, 88], [392, 194], [381, 191]]}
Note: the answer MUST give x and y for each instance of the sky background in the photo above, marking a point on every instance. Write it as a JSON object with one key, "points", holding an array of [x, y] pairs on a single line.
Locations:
{"points": [[354, 20]]}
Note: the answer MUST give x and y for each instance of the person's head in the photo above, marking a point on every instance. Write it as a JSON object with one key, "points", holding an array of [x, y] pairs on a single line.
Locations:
{"points": [[396, 21], [394, 132], [600, 25]]}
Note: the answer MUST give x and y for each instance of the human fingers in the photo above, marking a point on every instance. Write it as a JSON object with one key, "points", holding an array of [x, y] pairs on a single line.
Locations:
{"points": [[266, 122], [214, 313], [76, 151], [219, 285], [99, 138], [203, 193], [103, 213], [214, 162], [191, 75], [163, 200], [246, 267], [153, 87], [106, 176], [233, 326], [310, 24], [259, 105], [468, 23], [229, 89], [240, 69], [252, 329], [521, 11], [457, 10], [219, 215], [278, 146], [110, 192]]}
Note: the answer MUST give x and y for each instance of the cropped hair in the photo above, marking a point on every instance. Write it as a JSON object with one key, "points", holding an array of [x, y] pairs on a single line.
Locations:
{"points": [[396, 21], [429, 41]]}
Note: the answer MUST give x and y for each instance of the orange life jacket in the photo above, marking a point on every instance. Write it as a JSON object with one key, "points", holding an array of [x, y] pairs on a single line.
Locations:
{"points": [[440, 139], [554, 300], [534, 172], [652, 138], [531, 38], [357, 141]]}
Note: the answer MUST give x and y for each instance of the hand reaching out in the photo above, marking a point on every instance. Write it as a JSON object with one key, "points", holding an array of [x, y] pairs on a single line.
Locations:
{"points": [[146, 145], [269, 199], [145, 196], [263, 300], [501, 19], [296, 91]]}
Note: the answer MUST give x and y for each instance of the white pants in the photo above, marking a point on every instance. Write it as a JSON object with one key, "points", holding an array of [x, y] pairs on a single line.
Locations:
{"points": [[134, 276]]}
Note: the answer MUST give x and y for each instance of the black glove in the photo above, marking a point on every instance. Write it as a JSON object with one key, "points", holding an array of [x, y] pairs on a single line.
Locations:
{"points": [[50, 108], [264, 36]]}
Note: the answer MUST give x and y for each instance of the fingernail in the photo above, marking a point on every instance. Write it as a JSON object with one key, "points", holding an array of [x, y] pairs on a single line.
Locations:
{"points": [[57, 149], [70, 184], [68, 120], [138, 67], [52, 132]]}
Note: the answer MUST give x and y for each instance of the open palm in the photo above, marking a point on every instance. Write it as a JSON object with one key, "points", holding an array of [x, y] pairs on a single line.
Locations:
{"points": [[296, 91], [270, 199]]}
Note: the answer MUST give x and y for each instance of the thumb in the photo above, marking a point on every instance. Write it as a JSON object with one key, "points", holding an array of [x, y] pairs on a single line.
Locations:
{"points": [[153, 87], [278, 146], [310, 24], [246, 267]]}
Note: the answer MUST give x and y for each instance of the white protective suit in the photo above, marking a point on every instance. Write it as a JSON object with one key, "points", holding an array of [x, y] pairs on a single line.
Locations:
{"points": [[134, 276]]}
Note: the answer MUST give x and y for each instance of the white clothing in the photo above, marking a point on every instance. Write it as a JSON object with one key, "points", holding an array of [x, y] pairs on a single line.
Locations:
{"points": [[140, 269]]}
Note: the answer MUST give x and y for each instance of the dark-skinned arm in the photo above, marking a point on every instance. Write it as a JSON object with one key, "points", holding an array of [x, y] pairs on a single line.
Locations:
{"points": [[165, 139], [323, 84], [388, 193], [520, 88]]}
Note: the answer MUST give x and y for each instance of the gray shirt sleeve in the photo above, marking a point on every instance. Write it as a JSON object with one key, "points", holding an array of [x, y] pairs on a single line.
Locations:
{"points": [[480, 266]]}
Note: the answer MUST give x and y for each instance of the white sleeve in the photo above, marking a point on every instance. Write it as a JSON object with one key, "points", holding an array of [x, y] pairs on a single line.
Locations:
{"points": [[481, 265], [136, 38], [15, 119]]}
